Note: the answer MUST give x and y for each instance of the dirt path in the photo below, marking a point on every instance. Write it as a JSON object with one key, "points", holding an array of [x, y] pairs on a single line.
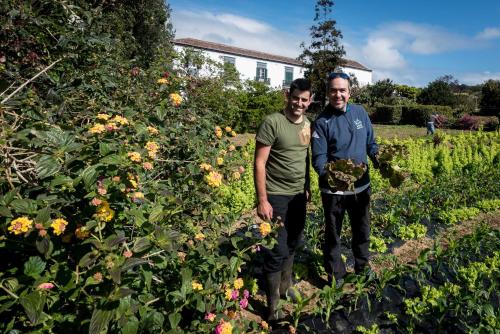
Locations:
{"points": [[405, 254]]}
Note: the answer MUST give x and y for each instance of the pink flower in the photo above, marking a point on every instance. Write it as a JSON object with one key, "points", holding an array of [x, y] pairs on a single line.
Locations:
{"points": [[127, 254], [235, 294], [210, 317], [102, 191], [246, 294], [243, 303], [96, 202], [46, 286]]}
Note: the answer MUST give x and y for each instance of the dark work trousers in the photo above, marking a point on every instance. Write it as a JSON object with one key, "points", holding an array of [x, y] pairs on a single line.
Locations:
{"points": [[358, 209], [292, 210]]}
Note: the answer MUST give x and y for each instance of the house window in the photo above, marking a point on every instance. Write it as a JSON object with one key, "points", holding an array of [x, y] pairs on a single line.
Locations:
{"points": [[288, 76], [261, 72], [229, 60]]}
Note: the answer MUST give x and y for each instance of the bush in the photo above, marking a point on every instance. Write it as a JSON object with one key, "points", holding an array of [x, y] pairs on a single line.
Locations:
{"points": [[419, 114], [387, 114], [468, 122]]}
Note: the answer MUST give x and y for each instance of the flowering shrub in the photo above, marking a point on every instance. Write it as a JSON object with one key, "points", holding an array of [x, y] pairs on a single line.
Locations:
{"points": [[112, 214]]}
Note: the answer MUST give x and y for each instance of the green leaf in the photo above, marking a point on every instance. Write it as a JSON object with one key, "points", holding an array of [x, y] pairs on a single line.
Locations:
{"points": [[156, 213], [33, 306], [105, 149], [60, 179], [34, 266], [139, 218], [8, 197], [27, 206], [47, 166], [131, 327], [116, 274], [141, 244], [87, 260], [132, 262], [43, 215], [5, 212], [89, 176], [174, 319], [100, 320], [44, 246], [112, 159]]}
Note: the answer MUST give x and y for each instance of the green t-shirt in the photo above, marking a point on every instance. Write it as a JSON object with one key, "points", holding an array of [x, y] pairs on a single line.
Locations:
{"points": [[286, 165]]}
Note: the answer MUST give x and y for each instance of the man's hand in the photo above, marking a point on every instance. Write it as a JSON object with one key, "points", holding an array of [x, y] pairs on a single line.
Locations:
{"points": [[308, 195], [265, 210]]}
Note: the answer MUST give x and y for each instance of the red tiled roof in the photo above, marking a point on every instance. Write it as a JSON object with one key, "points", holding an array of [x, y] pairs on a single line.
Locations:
{"points": [[197, 43]]}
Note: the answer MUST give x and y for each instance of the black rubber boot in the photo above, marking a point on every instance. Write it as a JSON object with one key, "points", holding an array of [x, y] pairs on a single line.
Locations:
{"points": [[273, 281], [286, 280]]}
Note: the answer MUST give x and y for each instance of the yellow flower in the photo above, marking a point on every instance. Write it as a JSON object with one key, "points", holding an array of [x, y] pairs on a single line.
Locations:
{"points": [[104, 212], [218, 132], [220, 161], [228, 294], [236, 175], [231, 148], [20, 225], [121, 120], [103, 117], [226, 328], [265, 229], [98, 128], [238, 283], [152, 146], [205, 167], [264, 325], [196, 286], [133, 180], [228, 129], [199, 237], [134, 156], [162, 81], [137, 196], [152, 154], [153, 130], [213, 179], [59, 225], [175, 99], [233, 134]]}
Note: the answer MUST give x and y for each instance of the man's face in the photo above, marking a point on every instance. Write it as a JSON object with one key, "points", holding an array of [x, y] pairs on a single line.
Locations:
{"points": [[298, 101], [338, 93]]}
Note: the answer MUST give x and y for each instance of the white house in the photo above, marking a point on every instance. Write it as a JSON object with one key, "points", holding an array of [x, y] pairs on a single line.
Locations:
{"points": [[277, 71]]}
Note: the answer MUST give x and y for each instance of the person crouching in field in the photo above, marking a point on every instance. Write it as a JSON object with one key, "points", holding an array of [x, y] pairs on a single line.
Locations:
{"points": [[281, 178]]}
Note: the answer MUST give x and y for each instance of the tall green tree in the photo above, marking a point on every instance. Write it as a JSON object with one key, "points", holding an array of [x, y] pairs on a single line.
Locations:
{"points": [[324, 53], [439, 92], [490, 100]]}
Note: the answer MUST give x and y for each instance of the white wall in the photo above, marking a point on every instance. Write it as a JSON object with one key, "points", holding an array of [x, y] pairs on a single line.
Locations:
{"points": [[276, 71]]}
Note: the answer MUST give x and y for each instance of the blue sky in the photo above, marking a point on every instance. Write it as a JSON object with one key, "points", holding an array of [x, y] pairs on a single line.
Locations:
{"points": [[409, 42]]}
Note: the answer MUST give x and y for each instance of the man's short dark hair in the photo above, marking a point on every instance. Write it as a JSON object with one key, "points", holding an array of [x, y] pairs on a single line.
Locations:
{"points": [[301, 84], [335, 75]]}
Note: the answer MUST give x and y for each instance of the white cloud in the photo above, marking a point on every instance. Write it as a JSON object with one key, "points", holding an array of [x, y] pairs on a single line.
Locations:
{"points": [[489, 33], [383, 53], [236, 31], [477, 78], [244, 23]]}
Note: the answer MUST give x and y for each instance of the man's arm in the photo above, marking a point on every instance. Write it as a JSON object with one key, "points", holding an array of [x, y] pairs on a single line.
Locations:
{"points": [[319, 146], [307, 186], [264, 208], [371, 145]]}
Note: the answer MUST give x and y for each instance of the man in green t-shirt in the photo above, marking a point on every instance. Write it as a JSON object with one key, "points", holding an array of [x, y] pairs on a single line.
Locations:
{"points": [[281, 172]]}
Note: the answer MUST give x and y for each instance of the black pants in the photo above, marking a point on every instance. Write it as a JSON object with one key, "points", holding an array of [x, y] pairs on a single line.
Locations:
{"points": [[358, 209], [292, 211]]}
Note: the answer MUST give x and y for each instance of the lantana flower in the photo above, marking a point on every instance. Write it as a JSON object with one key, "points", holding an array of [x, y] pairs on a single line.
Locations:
{"points": [[103, 117], [147, 165], [134, 156], [175, 99], [46, 286], [97, 128], [213, 179], [162, 81], [196, 286], [265, 228], [238, 283], [59, 225], [20, 225], [152, 130], [104, 212]]}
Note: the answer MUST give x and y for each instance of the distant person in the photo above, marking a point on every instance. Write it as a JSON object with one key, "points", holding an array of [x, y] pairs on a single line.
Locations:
{"points": [[344, 131], [282, 185], [433, 118]]}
